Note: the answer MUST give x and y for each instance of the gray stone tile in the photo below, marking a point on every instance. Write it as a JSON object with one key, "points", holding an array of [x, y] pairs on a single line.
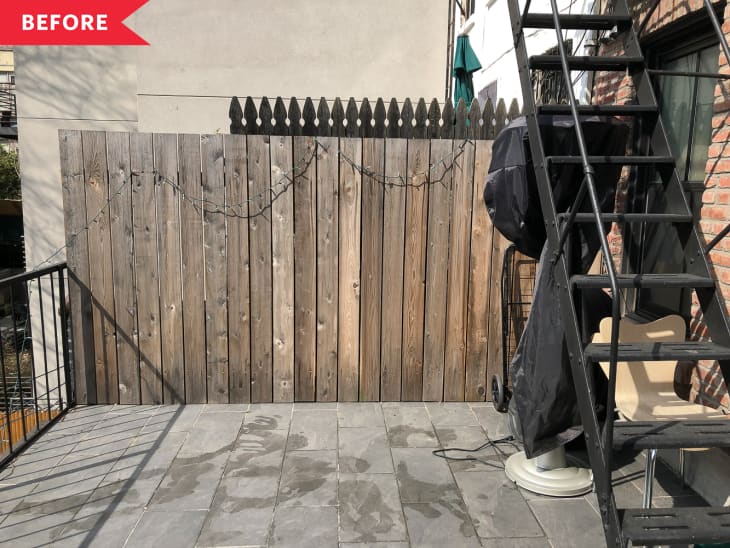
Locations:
{"points": [[119, 409], [423, 477], [239, 526], [439, 524], [516, 543], [360, 415], [25, 528], [364, 450], [190, 483], [470, 437], [226, 407], [109, 528], [174, 418], [569, 523], [76, 476], [374, 545], [241, 512], [167, 529], [409, 426], [496, 507], [268, 416], [451, 414], [213, 432], [309, 478], [313, 430], [495, 423], [370, 508], [305, 527], [257, 453]]}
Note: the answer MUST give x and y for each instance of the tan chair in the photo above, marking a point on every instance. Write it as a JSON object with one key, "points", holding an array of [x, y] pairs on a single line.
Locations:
{"points": [[645, 390]]}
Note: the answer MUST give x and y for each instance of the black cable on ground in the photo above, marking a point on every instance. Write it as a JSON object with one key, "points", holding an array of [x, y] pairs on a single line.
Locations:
{"points": [[494, 444]]}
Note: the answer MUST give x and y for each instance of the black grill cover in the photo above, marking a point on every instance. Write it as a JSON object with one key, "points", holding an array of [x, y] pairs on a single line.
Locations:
{"points": [[542, 382]]}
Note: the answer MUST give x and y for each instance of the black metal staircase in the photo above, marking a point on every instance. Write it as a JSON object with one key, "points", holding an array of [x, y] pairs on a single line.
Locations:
{"points": [[8, 111], [667, 204]]}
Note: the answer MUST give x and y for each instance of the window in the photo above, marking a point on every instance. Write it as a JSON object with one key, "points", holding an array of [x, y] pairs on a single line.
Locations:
{"points": [[686, 107]]}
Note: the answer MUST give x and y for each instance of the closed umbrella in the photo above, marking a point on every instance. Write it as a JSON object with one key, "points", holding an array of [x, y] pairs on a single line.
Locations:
{"points": [[465, 63]]}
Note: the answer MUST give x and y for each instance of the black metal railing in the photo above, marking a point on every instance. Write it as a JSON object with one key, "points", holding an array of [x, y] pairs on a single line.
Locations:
{"points": [[8, 108], [36, 379]]}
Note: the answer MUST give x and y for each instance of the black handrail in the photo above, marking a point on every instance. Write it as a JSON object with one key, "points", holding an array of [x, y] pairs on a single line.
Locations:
{"points": [[36, 391], [589, 183]]}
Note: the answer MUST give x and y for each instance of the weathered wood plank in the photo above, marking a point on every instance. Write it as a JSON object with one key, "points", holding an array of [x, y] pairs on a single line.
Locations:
{"points": [[145, 258], [439, 207], [414, 276], [282, 245], [239, 328], [77, 257], [191, 217], [305, 268], [259, 224], [459, 250], [349, 275], [168, 232], [394, 215], [122, 241], [216, 279], [327, 267], [479, 281], [373, 161], [100, 261]]}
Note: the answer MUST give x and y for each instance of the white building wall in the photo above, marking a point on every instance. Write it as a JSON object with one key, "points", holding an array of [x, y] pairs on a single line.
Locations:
{"points": [[492, 41]]}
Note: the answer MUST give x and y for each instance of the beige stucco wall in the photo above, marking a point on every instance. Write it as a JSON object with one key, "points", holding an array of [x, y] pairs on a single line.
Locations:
{"points": [[202, 54]]}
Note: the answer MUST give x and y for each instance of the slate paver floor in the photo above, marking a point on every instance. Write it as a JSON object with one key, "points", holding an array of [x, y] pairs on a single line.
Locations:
{"points": [[291, 475]]}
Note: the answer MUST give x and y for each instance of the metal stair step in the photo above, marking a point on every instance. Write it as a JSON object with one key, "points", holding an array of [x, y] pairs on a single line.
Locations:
{"points": [[675, 525], [631, 217], [658, 351], [671, 434], [600, 110], [643, 280], [613, 160], [577, 21], [584, 62]]}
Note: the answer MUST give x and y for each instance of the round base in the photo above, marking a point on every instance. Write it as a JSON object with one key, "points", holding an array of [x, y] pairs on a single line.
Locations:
{"points": [[559, 482]]}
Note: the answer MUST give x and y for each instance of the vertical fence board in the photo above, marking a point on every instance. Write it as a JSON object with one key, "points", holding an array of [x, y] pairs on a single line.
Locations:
{"points": [[168, 214], [77, 257], [259, 224], [349, 262], [122, 241], [146, 268], [239, 333], [414, 277], [282, 244], [327, 267], [305, 267], [475, 387], [439, 206], [394, 215], [373, 160], [191, 218], [459, 249], [216, 291], [100, 253]]}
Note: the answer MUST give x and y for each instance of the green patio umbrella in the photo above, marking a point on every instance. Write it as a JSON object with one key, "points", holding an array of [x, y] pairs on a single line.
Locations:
{"points": [[465, 63]]}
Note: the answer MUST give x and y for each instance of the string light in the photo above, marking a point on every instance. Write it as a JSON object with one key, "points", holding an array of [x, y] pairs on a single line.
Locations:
{"points": [[268, 196]]}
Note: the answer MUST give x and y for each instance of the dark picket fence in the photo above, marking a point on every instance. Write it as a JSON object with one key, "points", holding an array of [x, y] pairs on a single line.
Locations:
{"points": [[398, 120]]}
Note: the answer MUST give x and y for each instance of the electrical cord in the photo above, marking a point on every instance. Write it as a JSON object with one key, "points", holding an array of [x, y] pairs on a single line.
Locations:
{"points": [[494, 444]]}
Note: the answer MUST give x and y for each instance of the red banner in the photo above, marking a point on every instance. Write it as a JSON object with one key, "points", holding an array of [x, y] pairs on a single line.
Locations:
{"points": [[68, 23]]}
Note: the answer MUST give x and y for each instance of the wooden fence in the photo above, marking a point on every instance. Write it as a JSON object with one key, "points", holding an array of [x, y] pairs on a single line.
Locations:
{"points": [[12, 429], [236, 268]]}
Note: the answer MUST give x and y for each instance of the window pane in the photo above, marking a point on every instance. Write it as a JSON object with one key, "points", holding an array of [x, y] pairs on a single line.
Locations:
{"points": [[676, 99], [702, 131]]}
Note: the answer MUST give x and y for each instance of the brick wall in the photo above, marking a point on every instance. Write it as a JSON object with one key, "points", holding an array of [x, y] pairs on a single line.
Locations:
{"points": [[703, 380]]}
